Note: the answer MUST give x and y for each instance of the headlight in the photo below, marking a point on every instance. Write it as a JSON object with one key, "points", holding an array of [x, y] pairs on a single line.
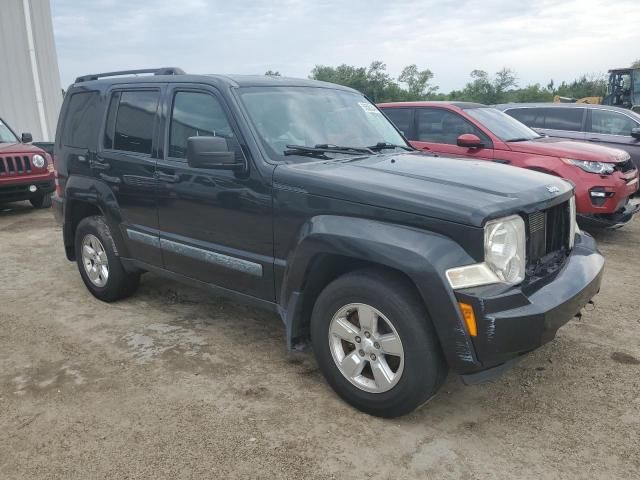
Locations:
{"points": [[504, 248], [504, 256], [593, 167], [38, 161]]}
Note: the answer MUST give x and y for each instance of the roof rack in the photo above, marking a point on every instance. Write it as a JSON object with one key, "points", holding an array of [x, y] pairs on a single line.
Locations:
{"points": [[155, 71]]}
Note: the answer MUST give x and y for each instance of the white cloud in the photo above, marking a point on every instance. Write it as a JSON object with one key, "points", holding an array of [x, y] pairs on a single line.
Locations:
{"points": [[539, 39]]}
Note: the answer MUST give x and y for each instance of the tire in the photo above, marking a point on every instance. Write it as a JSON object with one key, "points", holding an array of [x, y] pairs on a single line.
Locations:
{"points": [[41, 201], [113, 284], [399, 312]]}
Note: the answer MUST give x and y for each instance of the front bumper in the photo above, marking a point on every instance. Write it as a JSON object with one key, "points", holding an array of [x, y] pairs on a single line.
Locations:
{"points": [[19, 190], [514, 321], [614, 220]]}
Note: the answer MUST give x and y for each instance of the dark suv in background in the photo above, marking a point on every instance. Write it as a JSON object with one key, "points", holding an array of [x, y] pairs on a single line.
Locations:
{"points": [[302, 198], [606, 125]]}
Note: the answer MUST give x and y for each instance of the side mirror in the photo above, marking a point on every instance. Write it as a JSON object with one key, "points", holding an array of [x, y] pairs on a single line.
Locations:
{"points": [[635, 132], [210, 152], [469, 140], [26, 138]]}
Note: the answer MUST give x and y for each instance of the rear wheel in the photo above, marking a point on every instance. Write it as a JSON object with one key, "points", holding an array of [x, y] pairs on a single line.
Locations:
{"points": [[41, 201], [375, 344], [99, 266]]}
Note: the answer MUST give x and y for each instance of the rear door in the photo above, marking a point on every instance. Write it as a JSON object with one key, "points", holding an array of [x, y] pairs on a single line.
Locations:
{"points": [[215, 224], [126, 162], [613, 129], [437, 130]]}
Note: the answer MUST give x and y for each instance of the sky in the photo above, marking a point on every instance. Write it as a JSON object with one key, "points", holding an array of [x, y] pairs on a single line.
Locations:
{"points": [[539, 39]]}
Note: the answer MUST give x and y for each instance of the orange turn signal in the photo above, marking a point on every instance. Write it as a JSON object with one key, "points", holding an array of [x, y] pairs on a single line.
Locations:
{"points": [[469, 318]]}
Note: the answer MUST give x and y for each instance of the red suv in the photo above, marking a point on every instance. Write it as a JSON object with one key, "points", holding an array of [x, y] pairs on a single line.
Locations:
{"points": [[604, 178], [26, 172]]}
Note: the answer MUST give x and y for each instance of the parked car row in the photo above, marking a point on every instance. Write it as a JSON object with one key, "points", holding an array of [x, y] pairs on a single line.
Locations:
{"points": [[601, 124], [301, 197], [604, 178]]}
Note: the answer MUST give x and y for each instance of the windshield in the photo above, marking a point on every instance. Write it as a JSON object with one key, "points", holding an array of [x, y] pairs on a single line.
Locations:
{"points": [[6, 135], [310, 117], [506, 128]]}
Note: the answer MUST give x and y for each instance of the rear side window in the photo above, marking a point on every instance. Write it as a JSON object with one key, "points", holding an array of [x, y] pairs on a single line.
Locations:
{"points": [[82, 120], [402, 118], [563, 119], [130, 121], [525, 115], [611, 123]]}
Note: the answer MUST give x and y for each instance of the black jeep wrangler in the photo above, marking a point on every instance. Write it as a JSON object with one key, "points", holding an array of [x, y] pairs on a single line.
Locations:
{"points": [[301, 197]]}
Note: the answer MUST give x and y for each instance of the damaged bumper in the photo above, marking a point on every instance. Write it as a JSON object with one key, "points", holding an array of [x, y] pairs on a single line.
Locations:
{"points": [[514, 321]]}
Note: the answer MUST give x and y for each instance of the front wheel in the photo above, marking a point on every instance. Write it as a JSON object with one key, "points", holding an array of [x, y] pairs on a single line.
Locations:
{"points": [[375, 344], [98, 263]]}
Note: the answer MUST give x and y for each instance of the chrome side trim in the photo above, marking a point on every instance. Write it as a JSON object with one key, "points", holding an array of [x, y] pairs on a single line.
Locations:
{"points": [[215, 258], [145, 238]]}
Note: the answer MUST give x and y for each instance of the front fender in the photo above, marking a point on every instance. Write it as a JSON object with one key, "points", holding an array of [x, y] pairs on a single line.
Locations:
{"points": [[421, 255], [84, 190]]}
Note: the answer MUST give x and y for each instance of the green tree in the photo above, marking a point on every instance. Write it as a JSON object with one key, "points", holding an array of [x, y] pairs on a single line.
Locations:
{"points": [[417, 81], [592, 85], [636, 64], [483, 89]]}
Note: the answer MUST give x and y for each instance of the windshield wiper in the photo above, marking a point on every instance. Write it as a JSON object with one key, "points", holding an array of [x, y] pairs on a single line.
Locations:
{"points": [[322, 148], [386, 145], [522, 139]]}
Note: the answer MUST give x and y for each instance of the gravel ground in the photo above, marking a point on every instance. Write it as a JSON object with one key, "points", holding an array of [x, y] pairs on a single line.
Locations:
{"points": [[173, 383]]}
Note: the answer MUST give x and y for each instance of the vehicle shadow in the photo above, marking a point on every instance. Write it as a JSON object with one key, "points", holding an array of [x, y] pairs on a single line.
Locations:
{"points": [[16, 208]]}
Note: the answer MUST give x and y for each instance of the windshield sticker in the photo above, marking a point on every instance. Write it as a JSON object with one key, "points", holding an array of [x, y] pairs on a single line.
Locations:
{"points": [[367, 107]]}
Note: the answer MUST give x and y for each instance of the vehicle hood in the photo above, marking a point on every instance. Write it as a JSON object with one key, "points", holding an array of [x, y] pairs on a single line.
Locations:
{"points": [[558, 147], [18, 148], [465, 191]]}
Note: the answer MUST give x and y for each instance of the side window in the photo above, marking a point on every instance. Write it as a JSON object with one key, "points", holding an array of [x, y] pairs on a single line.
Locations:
{"points": [[402, 118], [523, 115], [563, 119], [82, 120], [198, 114], [611, 123], [134, 112], [438, 125]]}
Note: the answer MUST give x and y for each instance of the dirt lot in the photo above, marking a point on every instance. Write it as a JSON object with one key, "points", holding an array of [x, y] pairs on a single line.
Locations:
{"points": [[173, 383]]}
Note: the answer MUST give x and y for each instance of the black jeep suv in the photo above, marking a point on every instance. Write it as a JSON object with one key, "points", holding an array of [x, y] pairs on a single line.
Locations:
{"points": [[301, 197]]}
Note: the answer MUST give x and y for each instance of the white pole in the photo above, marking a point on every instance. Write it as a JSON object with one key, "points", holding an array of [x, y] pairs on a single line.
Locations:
{"points": [[34, 70]]}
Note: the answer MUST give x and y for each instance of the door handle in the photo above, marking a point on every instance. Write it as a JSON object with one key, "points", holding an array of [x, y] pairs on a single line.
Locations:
{"points": [[99, 165], [165, 177], [593, 139], [425, 148]]}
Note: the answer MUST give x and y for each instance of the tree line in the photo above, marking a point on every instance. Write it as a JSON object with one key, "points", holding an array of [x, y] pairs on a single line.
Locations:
{"points": [[416, 84]]}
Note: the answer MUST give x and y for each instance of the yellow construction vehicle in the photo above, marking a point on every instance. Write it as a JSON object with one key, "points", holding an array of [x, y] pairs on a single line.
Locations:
{"points": [[623, 90]]}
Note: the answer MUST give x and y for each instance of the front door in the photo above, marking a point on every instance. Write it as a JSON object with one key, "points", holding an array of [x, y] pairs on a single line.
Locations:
{"points": [[215, 225], [437, 130], [614, 130]]}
